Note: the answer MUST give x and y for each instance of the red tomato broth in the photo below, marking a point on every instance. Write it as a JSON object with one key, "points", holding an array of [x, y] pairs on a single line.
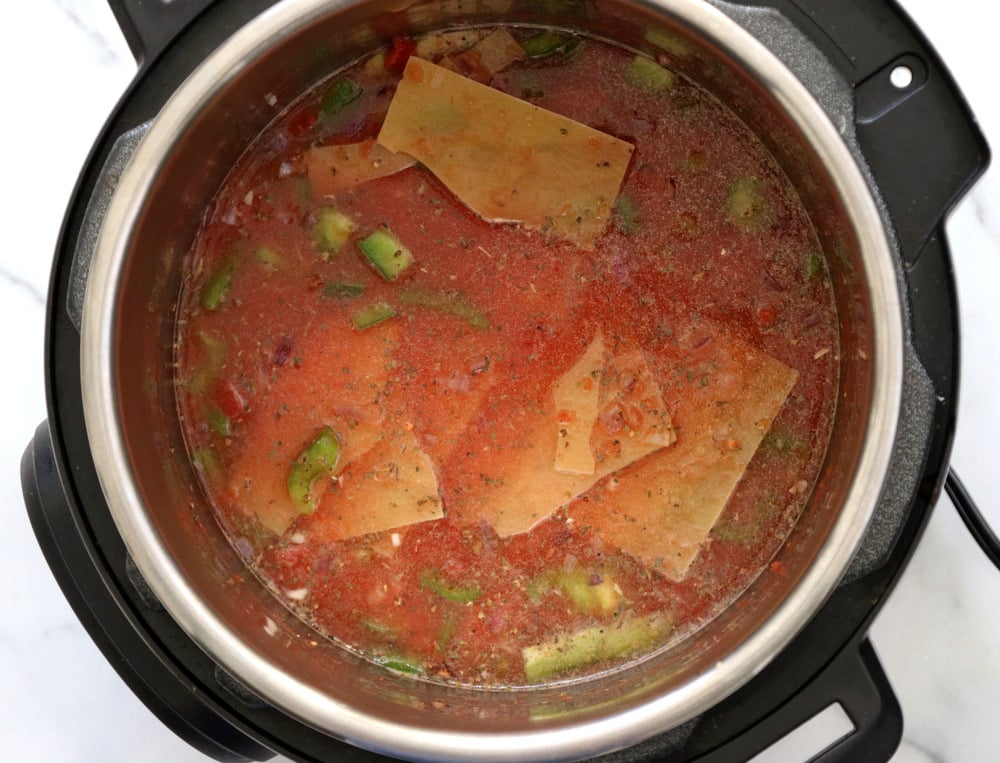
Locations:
{"points": [[448, 598]]}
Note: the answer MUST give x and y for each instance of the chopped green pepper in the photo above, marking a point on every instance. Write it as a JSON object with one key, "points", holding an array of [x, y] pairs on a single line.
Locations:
{"points": [[548, 43], [629, 217], [379, 628], [220, 423], [341, 94], [217, 289], [370, 316], [269, 256], [207, 462], [814, 265], [401, 665], [216, 348], [340, 290], [728, 531], [588, 596], [593, 644], [648, 76], [780, 441], [430, 580], [746, 204], [448, 304], [743, 527], [318, 459], [386, 253], [332, 229], [447, 630], [216, 356], [669, 42]]}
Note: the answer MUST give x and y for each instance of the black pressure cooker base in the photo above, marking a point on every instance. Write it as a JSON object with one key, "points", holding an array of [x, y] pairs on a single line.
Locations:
{"points": [[831, 661]]}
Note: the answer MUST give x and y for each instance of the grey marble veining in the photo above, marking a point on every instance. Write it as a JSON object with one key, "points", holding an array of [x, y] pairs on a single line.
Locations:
{"points": [[63, 65]]}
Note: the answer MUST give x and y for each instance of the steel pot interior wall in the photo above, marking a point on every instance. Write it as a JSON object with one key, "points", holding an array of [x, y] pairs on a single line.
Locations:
{"points": [[128, 335]]}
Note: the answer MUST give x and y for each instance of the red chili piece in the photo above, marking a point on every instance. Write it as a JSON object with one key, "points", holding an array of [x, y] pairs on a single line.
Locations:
{"points": [[230, 400], [302, 123], [399, 54]]}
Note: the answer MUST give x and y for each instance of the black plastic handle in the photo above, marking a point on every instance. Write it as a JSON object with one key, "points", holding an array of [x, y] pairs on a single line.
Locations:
{"points": [[855, 680], [149, 25], [925, 150], [870, 703], [919, 136], [82, 574]]}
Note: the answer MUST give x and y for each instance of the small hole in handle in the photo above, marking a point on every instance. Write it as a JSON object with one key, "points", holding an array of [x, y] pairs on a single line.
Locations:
{"points": [[901, 77], [890, 86]]}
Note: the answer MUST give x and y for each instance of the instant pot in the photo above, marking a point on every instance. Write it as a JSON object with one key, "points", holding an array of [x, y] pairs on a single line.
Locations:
{"points": [[878, 141]]}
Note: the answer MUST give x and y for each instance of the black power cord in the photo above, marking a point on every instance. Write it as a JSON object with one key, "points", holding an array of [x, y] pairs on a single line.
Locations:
{"points": [[973, 520]]}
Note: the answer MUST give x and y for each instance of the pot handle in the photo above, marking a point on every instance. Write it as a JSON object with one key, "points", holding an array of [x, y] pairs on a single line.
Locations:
{"points": [[868, 700], [913, 125], [854, 680], [81, 570], [149, 25]]}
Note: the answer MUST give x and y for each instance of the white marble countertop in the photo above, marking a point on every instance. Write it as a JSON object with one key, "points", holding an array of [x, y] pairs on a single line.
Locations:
{"points": [[63, 65]]}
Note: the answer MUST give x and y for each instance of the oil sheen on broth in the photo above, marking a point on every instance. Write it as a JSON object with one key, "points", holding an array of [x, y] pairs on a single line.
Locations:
{"points": [[487, 411]]}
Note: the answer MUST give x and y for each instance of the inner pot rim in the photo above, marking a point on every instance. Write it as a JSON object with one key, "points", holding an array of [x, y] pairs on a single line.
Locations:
{"points": [[105, 430]]}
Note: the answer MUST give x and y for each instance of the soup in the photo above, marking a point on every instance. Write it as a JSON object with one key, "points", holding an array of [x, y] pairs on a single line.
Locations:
{"points": [[505, 356]]}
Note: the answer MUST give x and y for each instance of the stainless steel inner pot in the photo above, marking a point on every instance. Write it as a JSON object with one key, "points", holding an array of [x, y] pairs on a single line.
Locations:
{"points": [[132, 427]]}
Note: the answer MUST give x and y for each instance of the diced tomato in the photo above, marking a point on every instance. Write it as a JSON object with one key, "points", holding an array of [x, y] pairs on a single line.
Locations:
{"points": [[303, 122], [399, 54], [230, 400]]}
